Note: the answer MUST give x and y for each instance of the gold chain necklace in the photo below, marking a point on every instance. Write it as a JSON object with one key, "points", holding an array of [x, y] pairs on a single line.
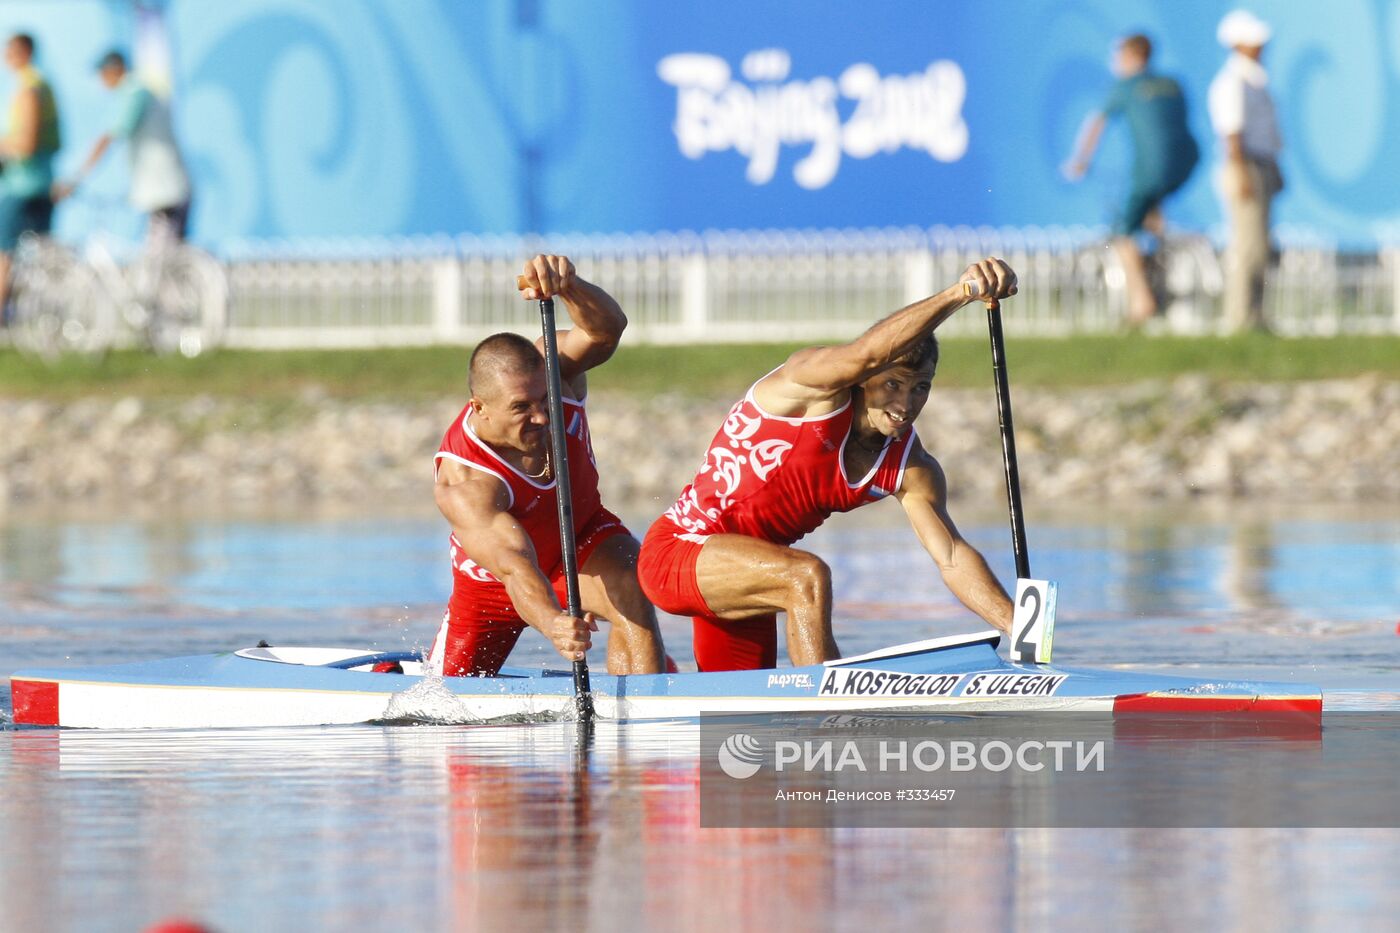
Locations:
{"points": [[544, 470]]}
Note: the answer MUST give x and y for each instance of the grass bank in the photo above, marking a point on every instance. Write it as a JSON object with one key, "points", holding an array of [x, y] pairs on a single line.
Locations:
{"points": [[695, 370]]}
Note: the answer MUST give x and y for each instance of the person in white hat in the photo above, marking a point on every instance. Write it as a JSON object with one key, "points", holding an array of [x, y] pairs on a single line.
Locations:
{"points": [[1243, 116]]}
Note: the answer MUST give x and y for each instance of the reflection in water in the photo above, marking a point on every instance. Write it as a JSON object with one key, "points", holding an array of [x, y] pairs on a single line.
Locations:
{"points": [[1161, 568], [31, 554], [1155, 565], [241, 563], [477, 828], [1249, 563], [492, 828]]}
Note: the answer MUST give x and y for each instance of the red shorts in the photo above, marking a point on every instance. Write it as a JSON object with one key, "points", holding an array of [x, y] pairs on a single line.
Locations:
{"points": [[666, 571], [481, 626]]}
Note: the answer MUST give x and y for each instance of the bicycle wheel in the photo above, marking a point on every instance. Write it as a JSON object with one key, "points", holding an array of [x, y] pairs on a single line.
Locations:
{"points": [[60, 308], [189, 303]]}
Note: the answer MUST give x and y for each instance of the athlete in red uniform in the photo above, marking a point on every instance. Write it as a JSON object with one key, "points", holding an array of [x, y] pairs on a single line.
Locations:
{"points": [[495, 486], [828, 431]]}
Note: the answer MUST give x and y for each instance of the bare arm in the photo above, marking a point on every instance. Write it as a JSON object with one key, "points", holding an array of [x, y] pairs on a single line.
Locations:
{"points": [[598, 318], [99, 149], [23, 140], [924, 496], [818, 374], [475, 505], [1085, 146]]}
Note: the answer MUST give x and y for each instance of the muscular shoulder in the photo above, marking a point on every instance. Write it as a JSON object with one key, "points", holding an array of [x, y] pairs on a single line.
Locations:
{"points": [[470, 488], [779, 394]]}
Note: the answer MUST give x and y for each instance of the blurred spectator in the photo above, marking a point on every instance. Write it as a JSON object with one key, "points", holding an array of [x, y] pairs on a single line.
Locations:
{"points": [[27, 151], [1242, 113], [160, 186], [1164, 155]]}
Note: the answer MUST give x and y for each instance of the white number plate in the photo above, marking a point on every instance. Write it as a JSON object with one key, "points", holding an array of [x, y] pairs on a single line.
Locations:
{"points": [[1033, 622]]}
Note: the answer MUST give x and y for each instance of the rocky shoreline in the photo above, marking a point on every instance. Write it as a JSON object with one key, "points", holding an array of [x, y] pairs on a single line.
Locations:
{"points": [[1336, 440]]}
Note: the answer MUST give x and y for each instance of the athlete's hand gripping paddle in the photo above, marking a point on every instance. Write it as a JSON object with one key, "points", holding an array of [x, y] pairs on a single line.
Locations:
{"points": [[1033, 618], [559, 457]]}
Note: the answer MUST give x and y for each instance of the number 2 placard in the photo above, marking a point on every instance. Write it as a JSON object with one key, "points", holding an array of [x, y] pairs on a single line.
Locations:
{"points": [[1033, 622]]}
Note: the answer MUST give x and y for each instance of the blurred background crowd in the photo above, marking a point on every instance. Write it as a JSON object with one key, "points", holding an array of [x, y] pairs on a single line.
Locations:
{"points": [[367, 172]]}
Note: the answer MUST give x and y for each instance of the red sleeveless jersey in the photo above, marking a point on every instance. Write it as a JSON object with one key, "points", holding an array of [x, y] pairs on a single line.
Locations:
{"points": [[778, 478], [531, 502]]}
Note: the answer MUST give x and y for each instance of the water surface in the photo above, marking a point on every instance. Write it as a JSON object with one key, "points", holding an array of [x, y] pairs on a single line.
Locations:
{"points": [[437, 827]]}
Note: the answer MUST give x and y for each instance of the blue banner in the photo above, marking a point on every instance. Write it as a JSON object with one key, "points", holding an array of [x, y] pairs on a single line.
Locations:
{"points": [[351, 118]]}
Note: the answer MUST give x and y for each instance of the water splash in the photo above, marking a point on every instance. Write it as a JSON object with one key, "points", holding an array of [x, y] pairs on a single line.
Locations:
{"points": [[1212, 688], [430, 702]]}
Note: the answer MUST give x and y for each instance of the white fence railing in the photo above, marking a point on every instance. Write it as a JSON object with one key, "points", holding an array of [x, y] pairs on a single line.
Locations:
{"points": [[771, 285]]}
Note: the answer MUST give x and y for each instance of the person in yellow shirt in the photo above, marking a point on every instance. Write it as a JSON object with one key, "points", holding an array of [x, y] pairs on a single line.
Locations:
{"points": [[27, 150]]}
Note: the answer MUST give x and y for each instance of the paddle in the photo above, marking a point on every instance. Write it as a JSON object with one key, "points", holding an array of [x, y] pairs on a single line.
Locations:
{"points": [[1008, 440], [559, 456], [1033, 619]]}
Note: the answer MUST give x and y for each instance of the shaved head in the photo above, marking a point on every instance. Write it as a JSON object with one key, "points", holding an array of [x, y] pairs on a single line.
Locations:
{"points": [[497, 356]]}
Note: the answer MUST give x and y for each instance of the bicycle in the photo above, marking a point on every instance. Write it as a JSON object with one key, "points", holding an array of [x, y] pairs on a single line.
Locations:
{"points": [[55, 310], [172, 297], [175, 296]]}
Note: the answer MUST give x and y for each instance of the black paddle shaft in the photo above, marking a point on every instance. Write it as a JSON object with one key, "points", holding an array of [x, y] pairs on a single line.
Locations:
{"points": [[1008, 442], [563, 494]]}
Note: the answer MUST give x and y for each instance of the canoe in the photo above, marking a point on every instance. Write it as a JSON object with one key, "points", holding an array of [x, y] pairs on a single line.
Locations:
{"points": [[299, 686]]}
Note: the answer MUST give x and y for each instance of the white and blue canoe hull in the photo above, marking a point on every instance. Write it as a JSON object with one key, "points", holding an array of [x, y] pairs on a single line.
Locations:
{"points": [[323, 686]]}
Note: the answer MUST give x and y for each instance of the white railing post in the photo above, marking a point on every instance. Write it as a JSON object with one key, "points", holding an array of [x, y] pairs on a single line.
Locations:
{"points": [[1390, 257], [760, 284], [447, 300], [695, 295], [918, 275]]}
